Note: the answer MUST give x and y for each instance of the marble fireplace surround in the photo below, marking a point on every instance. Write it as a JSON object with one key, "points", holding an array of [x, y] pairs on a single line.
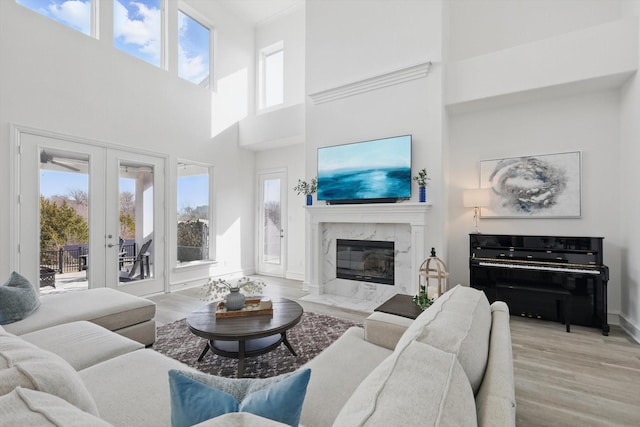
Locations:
{"points": [[403, 223]]}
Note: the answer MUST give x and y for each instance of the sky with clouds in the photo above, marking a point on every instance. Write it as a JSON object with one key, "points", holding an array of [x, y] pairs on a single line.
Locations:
{"points": [[137, 28], [74, 13], [193, 49]]}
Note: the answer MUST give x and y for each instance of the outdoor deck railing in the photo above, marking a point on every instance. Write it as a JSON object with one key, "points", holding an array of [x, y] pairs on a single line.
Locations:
{"points": [[69, 259]]}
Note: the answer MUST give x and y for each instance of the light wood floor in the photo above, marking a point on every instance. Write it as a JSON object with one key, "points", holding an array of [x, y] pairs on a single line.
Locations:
{"points": [[578, 379]]}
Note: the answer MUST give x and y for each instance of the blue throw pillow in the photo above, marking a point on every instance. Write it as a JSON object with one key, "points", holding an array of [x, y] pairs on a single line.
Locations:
{"points": [[197, 397], [18, 299]]}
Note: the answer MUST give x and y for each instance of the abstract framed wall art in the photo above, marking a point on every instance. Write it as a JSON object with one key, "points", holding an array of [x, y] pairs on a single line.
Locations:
{"points": [[544, 186]]}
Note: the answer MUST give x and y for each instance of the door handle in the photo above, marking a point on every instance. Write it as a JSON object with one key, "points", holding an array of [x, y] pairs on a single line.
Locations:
{"points": [[281, 233], [110, 245]]}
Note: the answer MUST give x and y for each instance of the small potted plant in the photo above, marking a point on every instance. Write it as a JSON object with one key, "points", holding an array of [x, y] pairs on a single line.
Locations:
{"points": [[422, 300], [307, 188], [422, 179], [215, 289]]}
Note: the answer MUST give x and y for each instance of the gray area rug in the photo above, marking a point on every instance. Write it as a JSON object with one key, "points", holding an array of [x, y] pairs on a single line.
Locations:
{"points": [[314, 333]]}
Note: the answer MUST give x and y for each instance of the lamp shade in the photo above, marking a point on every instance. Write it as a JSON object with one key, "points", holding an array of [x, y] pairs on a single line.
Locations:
{"points": [[476, 198]]}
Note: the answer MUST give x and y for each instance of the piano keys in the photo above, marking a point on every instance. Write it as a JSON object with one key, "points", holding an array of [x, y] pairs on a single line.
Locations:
{"points": [[546, 277]]}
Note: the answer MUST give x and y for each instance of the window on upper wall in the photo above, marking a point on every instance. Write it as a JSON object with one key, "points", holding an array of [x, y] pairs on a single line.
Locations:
{"points": [[137, 29], [271, 76], [194, 214], [77, 14], [194, 49]]}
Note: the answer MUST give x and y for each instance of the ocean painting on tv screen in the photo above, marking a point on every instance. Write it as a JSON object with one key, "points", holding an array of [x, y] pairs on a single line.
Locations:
{"points": [[378, 169]]}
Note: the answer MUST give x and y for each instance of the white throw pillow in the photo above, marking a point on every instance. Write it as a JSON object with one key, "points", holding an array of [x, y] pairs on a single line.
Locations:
{"points": [[417, 386], [459, 322], [25, 407], [24, 365]]}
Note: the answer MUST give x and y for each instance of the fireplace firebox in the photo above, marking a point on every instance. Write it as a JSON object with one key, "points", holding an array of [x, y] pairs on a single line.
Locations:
{"points": [[365, 260]]}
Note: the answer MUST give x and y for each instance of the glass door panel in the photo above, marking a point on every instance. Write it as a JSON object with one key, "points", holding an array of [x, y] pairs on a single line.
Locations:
{"points": [[135, 213], [60, 215], [271, 228], [64, 220]]}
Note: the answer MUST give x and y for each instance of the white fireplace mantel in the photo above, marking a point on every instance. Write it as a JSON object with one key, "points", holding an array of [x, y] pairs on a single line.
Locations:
{"points": [[413, 214]]}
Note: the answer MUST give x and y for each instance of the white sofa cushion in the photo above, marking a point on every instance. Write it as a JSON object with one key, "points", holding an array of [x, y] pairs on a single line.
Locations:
{"points": [[459, 322], [25, 407], [25, 365], [417, 385], [385, 329], [106, 307], [133, 389], [237, 419], [82, 344], [496, 400], [336, 373]]}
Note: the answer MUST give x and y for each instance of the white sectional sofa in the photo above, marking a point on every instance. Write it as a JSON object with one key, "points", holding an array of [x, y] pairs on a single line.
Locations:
{"points": [[451, 366], [128, 315]]}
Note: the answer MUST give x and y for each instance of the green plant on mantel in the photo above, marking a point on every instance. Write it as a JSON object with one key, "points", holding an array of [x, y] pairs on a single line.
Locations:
{"points": [[422, 300], [306, 188], [422, 178]]}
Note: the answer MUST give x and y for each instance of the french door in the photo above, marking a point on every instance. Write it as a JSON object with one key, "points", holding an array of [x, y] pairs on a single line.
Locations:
{"points": [[271, 227], [116, 239]]}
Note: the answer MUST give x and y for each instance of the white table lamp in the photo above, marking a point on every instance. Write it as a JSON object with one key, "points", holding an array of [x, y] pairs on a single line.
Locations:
{"points": [[476, 198]]}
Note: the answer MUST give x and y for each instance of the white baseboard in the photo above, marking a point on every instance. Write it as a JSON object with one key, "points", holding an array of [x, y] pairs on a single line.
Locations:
{"points": [[294, 275], [630, 328]]}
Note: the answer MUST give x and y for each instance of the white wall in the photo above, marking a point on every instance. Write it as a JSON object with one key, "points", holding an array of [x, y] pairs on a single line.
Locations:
{"points": [[54, 78], [630, 202], [481, 27], [349, 41], [292, 160]]}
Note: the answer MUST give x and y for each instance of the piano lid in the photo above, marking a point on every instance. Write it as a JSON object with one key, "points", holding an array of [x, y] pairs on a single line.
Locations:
{"points": [[550, 249], [529, 242]]}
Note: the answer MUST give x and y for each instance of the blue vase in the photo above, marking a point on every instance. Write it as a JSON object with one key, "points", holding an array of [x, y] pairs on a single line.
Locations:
{"points": [[234, 299], [423, 194], [309, 199]]}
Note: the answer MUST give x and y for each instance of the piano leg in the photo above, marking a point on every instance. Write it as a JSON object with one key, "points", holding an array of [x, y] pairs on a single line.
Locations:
{"points": [[567, 311]]}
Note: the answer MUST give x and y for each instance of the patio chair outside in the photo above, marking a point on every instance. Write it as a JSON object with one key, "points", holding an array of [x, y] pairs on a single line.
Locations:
{"points": [[141, 260]]}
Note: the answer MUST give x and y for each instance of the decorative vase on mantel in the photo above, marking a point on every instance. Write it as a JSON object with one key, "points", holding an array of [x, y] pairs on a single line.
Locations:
{"points": [[234, 300], [423, 194], [309, 199]]}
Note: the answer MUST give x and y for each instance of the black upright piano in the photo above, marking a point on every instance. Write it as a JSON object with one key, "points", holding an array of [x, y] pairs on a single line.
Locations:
{"points": [[545, 277]]}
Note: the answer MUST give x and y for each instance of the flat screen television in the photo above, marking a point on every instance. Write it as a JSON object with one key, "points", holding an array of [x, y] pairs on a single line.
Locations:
{"points": [[373, 171]]}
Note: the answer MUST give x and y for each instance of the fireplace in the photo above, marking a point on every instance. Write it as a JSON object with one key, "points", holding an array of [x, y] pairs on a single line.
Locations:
{"points": [[365, 260], [404, 224]]}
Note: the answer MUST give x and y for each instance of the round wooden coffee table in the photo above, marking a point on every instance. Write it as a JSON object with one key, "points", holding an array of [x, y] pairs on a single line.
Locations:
{"points": [[241, 337]]}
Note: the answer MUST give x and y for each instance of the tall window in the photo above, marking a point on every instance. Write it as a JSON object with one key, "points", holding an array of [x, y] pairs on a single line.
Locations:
{"points": [[194, 47], [77, 14], [194, 216], [137, 29], [271, 83]]}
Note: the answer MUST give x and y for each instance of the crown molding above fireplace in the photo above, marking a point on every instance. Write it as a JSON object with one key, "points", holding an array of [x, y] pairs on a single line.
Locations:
{"points": [[381, 213], [369, 83]]}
